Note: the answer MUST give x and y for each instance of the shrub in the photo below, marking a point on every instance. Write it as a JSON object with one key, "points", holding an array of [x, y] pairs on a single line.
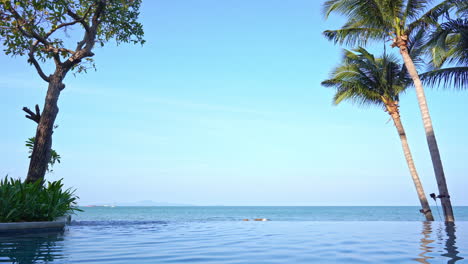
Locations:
{"points": [[27, 202]]}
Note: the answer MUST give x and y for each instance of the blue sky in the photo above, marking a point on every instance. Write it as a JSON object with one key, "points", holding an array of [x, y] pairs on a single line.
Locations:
{"points": [[223, 106]]}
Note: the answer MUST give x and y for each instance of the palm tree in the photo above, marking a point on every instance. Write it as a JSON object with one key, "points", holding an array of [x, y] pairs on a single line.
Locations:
{"points": [[363, 79], [400, 20], [449, 45]]}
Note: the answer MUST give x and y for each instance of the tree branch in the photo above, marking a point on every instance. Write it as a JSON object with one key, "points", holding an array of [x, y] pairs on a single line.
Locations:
{"points": [[80, 44], [82, 20], [60, 26], [85, 46], [38, 67], [77, 19], [57, 50], [32, 34], [21, 21], [90, 40], [33, 60], [36, 117], [54, 51], [98, 13]]}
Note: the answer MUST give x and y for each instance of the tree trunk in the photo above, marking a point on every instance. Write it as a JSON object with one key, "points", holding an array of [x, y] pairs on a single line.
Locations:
{"points": [[40, 156], [430, 136], [392, 109]]}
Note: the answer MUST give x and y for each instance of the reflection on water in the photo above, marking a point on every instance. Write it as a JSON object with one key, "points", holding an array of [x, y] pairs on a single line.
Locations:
{"points": [[450, 246], [30, 248], [445, 233], [239, 242], [425, 243]]}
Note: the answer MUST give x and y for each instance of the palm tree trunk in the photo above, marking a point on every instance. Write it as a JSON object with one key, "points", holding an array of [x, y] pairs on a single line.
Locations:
{"points": [[392, 109], [430, 136]]}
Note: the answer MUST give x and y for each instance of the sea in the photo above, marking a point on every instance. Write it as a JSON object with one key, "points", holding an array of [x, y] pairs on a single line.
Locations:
{"points": [[222, 234]]}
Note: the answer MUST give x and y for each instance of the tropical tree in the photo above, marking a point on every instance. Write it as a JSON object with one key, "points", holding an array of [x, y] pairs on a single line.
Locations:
{"points": [[364, 79], [41, 30], [449, 46], [398, 20]]}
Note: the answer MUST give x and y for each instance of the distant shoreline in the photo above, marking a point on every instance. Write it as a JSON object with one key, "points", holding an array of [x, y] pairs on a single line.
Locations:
{"points": [[112, 206]]}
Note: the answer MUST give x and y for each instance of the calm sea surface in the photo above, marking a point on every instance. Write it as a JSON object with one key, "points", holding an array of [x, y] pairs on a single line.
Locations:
{"points": [[218, 235]]}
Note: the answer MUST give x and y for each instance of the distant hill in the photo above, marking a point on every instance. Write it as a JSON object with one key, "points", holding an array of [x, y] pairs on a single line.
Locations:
{"points": [[151, 203]]}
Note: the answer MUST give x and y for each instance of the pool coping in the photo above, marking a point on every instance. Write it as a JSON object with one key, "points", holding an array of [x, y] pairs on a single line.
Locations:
{"points": [[58, 223]]}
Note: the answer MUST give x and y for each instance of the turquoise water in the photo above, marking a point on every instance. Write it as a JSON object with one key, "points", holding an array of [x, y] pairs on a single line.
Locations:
{"points": [[218, 235], [275, 213]]}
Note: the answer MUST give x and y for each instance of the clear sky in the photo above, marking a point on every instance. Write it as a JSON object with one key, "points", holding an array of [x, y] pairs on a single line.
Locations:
{"points": [[223, 106]]}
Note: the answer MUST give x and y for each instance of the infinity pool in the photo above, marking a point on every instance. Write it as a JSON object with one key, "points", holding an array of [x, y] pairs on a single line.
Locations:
{"points": [[242, 242]]}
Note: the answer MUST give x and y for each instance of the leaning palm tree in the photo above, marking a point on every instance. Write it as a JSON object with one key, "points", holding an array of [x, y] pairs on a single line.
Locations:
{"points": [[364, 79], [449, 46], [400, 20]]}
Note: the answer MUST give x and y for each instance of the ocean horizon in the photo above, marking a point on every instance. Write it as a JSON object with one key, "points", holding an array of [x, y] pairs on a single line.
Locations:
{"points": [[273, 213]]}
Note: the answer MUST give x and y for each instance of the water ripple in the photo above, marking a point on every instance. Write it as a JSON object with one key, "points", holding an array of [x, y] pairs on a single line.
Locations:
{"points": [[116, 223], [236, 242]]}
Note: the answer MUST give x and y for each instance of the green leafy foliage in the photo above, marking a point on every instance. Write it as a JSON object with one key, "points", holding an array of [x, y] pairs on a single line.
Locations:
{"points": [[423, 26], [40, 28], [54, 156], [366, 80], [452, 77], [383, 19], [448, 45], [29, 202]]}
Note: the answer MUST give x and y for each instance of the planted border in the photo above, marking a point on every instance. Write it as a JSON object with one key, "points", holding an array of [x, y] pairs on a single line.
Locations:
{"points": [[34, 202]]}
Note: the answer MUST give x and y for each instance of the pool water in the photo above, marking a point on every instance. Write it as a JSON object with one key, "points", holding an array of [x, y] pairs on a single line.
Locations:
{"points": [[93, 238]]}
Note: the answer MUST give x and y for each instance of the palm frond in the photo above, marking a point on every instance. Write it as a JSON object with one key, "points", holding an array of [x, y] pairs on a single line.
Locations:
{"points": [[368, 11], [367, 20], [430, 17], [462, 9], [354, 36], [417, 47], [364, 79], [449, 43], [447, 78], [414, 9]]}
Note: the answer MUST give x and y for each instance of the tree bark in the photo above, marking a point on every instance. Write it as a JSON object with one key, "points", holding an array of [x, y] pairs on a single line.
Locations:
{"points": [[430, 136], [40, 156], [392, 109]]}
